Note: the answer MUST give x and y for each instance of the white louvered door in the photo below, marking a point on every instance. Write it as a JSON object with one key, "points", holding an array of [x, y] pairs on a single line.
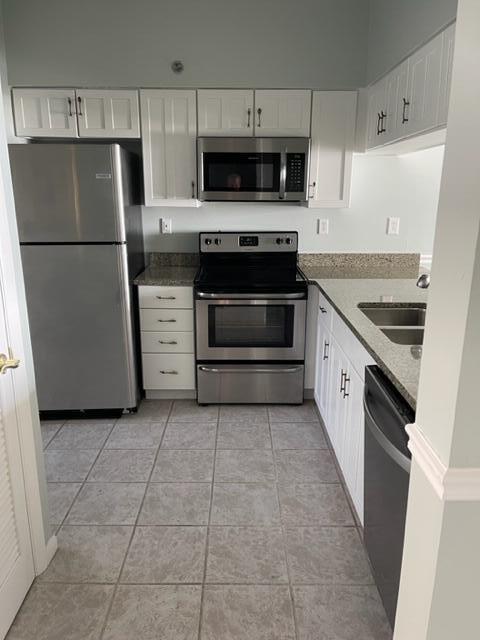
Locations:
{"points": [[16, 558]]}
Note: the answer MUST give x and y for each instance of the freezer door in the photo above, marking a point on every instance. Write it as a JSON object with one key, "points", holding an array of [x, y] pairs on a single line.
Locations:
{"points": [[68, 193], [80, 323]]}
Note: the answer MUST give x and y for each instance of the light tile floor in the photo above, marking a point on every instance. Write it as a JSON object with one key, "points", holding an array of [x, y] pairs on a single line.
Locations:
{"points": [[200, 523]]}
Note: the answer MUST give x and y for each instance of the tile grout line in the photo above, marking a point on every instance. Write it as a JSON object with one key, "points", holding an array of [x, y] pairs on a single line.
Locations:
{"points": [[284, 538], [134, 527], [207, 540]]}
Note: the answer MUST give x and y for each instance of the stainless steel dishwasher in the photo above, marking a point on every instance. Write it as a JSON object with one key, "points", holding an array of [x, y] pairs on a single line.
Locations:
{"points": [[387, 474]]}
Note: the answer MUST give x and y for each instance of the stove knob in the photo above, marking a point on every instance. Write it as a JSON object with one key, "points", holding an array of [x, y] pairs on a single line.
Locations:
{"points": [[279, 241], [208, 241], [217, 241], [288, 241]]}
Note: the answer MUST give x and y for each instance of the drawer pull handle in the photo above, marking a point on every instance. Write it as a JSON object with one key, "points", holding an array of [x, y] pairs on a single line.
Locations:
{"points": [[169, 373], [343, 381], [166, 298], [167, 342], [323, 310], [171, 320]]}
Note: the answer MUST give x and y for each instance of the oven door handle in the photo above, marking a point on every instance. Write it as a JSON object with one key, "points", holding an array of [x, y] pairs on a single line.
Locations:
{"points": [[249, 370], [283, 174], [251, 296]]}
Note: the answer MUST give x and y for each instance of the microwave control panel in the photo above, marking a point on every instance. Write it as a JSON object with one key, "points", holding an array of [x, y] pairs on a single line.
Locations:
{"points": [[295, 172]]}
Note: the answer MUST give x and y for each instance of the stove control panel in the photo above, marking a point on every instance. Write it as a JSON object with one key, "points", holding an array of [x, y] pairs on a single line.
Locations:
{"points": [[264, 242]]}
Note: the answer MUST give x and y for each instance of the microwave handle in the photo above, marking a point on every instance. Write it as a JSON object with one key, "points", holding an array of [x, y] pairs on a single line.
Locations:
{"points": [[283, 174]]}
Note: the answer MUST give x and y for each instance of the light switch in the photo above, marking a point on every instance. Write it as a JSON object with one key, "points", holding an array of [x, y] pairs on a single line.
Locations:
{"points": [[393, 226]]}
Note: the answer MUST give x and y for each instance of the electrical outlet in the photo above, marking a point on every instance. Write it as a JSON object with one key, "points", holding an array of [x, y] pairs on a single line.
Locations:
{"points": [[393, 226], [322, 226], [165, 225]]}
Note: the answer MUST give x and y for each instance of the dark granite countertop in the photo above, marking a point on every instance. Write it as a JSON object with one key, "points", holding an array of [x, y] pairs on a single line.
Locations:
{"points": [[166, 275], [400, 363]]}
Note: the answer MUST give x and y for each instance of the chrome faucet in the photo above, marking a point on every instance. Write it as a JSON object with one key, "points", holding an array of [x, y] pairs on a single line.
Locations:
{"points": [[424, 281]]}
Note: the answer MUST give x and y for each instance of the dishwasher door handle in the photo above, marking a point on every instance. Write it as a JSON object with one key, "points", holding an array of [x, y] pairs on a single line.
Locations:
{"points": [[392, 451]]}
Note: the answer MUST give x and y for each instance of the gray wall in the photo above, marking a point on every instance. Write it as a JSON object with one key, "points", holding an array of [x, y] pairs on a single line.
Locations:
{"points": [[399, 26], [223, 43], [405, 186]]}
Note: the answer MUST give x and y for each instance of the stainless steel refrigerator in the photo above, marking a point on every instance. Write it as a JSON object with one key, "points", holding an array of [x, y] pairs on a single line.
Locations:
{"points": [[79, 223]]}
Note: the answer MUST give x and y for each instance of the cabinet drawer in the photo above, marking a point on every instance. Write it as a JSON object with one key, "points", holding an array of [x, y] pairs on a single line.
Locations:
{"points": [[166, 297], [167, 342], [168, 371], [325, 311], [166, 319], [351, 346]]}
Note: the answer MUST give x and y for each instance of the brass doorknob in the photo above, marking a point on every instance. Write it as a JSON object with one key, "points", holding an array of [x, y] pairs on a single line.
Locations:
{"points": [[7, 363]]}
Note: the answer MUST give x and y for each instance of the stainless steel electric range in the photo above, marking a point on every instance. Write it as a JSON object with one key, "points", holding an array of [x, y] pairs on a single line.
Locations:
{"points": [[250, 315]]}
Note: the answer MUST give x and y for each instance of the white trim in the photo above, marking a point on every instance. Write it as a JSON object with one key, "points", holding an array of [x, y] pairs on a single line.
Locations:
{"points": [[451, 484], [41, 563], [426, 261]]}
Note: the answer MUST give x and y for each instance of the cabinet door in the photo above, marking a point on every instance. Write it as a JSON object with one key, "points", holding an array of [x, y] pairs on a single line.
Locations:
{"points": [[322, 370], [377, 104], [424, 71], [169, 147], [333, 137], [336, 405], [225, 113], [282, 113], [396, 107], [45, 113], [353, 453], [104, 114], [446, 73]]}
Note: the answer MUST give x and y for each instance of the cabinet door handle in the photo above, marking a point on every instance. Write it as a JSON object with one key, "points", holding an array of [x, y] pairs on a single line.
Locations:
{"points": [[323, 310], [249, 113], [342, 381], [310, 193], [259, 113], [193, 189], [383, 117], [79, 100], [326, 345], [171, 320], [172, 372], [166, 297], [347, 381], [70, 107], [406, 103], [167, 342], [378, 124]]}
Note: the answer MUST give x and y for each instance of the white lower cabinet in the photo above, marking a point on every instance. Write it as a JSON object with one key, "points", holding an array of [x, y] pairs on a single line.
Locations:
{"points": [[168, 360], [339, 382]]}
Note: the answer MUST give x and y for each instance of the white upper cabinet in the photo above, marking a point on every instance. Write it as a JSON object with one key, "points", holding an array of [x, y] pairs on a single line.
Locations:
{"points": [[282, 113], [69, 113], [423, 92], [446, 76], [169, 146], [333, 137], [413, 98], [45, 112], [225, 112], [107, 113]]}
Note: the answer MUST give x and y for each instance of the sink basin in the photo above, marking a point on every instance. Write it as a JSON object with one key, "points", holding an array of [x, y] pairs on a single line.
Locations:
{"points": [[396, 316], [400, 335]]}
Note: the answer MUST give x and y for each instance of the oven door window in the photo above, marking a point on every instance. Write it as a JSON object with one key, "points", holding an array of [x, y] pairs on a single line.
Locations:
{"points": [[250, 326], [241, 172]]}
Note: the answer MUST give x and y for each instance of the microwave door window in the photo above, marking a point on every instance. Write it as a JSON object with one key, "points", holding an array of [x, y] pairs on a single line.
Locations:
{"points": [[242, 172]]}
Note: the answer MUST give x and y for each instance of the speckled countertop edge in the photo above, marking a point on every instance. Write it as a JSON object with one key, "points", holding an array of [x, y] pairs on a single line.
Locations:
{"points": [[166, 276], [396, 361]]}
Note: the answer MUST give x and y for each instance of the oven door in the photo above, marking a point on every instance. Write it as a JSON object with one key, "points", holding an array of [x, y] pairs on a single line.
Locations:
{"points": [[236, 328]]}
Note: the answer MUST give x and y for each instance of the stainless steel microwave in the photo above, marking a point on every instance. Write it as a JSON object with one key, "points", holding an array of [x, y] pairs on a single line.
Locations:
{"points": [[267, 169]]}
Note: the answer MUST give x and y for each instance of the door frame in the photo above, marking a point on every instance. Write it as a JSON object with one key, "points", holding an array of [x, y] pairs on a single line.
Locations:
{"points": [[44, 545]]}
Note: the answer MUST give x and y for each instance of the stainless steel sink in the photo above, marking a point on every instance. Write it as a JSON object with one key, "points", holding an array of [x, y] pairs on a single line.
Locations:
{"points": [[396, 316], [401, 335]]}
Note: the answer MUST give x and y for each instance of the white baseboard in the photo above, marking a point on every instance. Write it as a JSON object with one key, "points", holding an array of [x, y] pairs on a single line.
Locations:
{"points": [[451, 484], [50, 550]]}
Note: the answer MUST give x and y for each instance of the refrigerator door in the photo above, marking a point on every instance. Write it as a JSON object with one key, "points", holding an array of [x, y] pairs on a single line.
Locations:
{"points": [[79, 308], [68, 193]]}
